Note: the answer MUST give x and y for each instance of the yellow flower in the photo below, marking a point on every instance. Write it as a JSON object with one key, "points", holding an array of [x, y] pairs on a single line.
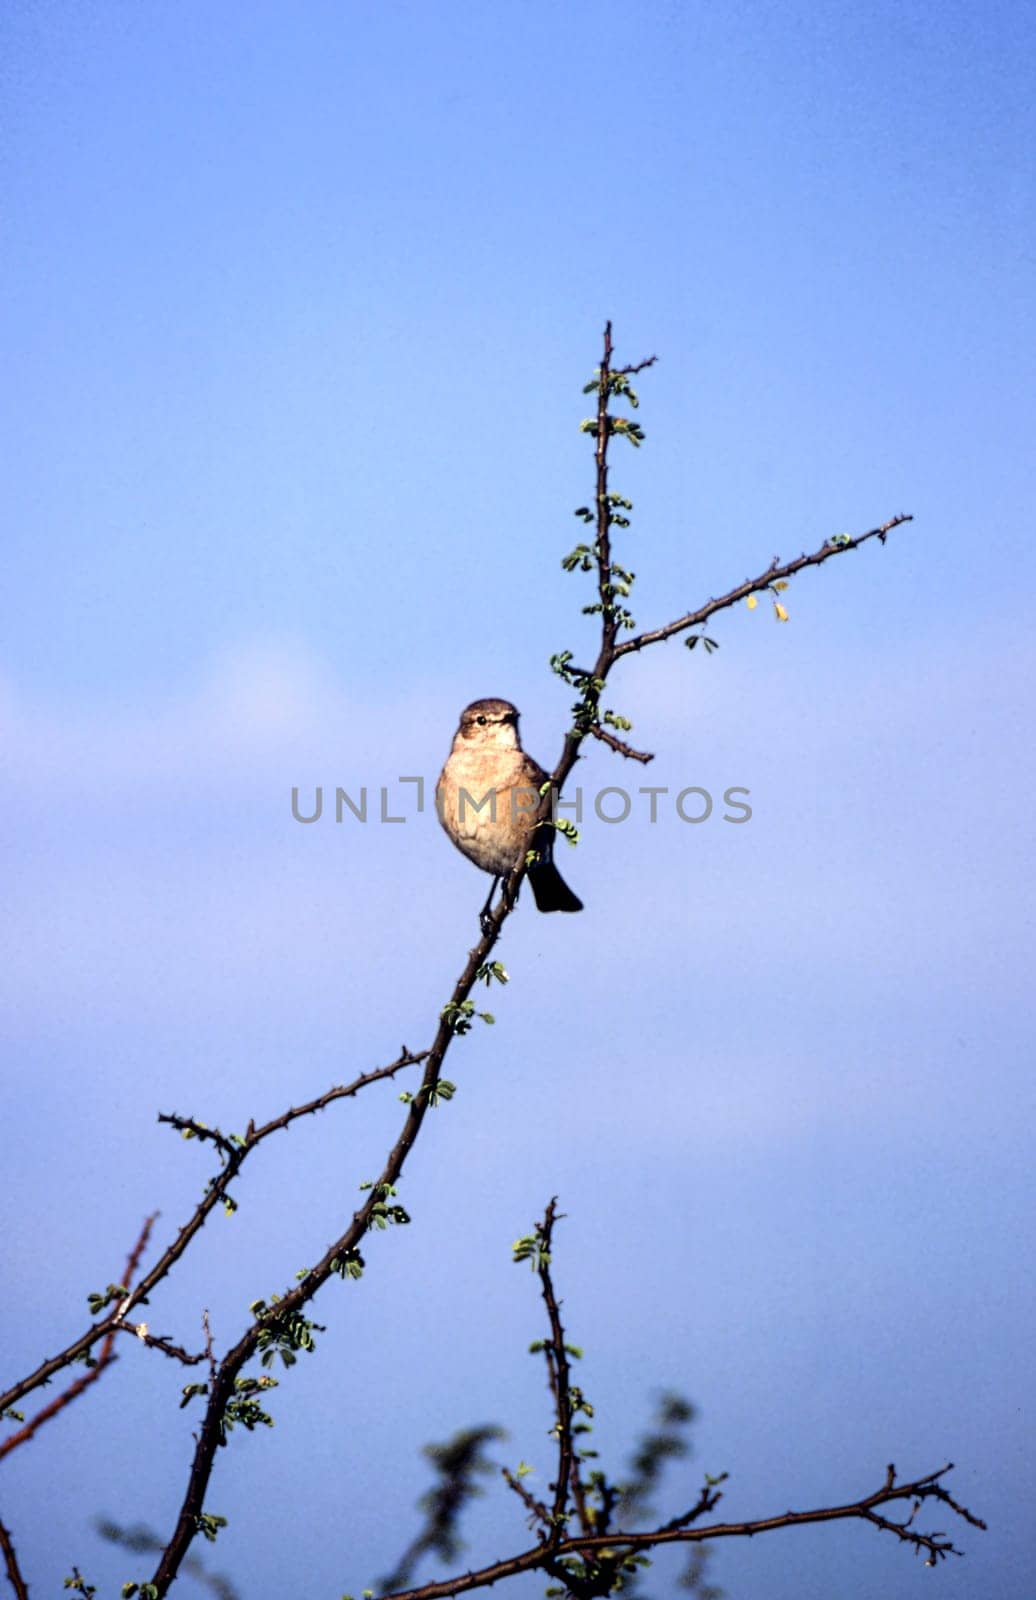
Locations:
{"points": [[781, 614]]}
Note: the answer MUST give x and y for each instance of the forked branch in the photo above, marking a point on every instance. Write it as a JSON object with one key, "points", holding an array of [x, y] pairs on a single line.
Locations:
{"points": [[596, 1561]]}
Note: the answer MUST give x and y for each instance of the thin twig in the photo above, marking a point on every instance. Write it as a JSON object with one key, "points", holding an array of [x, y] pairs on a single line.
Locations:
{"points": [[539, 1511], [210, 1354], [192, 1128], [14, 1574], [609, 623], [569, 1478], [620, 746], [707, 1501], [773, 573], [557, 1368], [157, 1341], [634, 366]]}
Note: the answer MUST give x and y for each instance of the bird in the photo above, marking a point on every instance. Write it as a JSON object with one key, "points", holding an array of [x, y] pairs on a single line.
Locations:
{"points": [[486, 797]]}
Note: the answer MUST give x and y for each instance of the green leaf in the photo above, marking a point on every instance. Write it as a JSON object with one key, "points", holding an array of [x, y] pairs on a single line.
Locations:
{"points": [[457, 1015], [114, 1291]]}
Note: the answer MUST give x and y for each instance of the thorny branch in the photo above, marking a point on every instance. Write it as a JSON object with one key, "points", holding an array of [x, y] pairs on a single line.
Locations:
{"points": [[568, 1479], [597, 1562], [234, 1151], [157, 1341], [775, 572], [234, 1156], [935, 1545], [11, 1567], [536, 1508], [620, 746]]}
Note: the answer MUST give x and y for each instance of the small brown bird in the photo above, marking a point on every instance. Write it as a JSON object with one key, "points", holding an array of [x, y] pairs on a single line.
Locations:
{"points": [[487, 796]]}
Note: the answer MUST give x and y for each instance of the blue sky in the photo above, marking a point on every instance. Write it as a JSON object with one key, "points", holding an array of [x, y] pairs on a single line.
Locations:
{"points": [[297, 304]]}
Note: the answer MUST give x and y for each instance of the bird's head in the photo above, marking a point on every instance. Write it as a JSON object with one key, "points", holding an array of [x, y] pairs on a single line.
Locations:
{"points": [[491, 724]]}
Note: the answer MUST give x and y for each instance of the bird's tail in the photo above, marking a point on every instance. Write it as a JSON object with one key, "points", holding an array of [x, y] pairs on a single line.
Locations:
{"points": [[550, 891]]}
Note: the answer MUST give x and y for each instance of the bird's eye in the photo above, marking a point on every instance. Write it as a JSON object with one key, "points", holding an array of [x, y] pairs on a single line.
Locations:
{"points": [[481, 721]]}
